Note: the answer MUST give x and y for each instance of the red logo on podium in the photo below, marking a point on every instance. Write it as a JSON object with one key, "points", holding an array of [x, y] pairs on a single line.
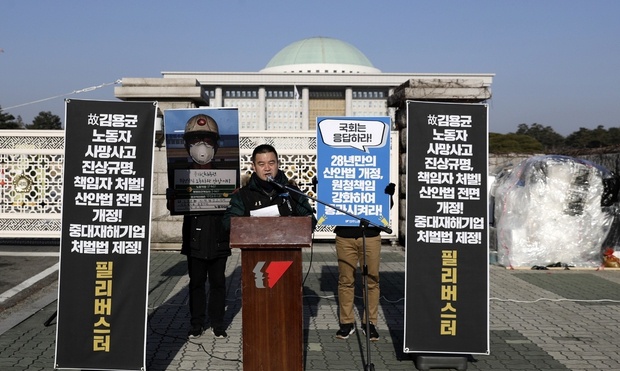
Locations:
{"points": [[271, 272]]}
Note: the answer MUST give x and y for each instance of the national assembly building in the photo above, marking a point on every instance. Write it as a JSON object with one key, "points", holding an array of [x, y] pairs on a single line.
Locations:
{"points": [[279, 105]]}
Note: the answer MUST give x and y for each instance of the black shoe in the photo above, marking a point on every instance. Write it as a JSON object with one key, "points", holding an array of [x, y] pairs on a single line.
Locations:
{"points": [[219, 333], [374, 335], [346, 329], [195, 332]]}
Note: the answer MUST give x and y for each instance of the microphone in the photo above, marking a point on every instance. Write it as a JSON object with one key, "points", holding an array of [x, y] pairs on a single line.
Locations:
{"points": [[284, 195], [276, 184]]}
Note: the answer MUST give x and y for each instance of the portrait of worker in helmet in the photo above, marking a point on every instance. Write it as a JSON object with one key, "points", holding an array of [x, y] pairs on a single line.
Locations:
{"points": [[202, 148], [201, 140]]}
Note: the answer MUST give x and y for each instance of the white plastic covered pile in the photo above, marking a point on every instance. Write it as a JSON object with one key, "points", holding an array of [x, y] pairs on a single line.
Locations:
{"points": [[553, 210]]}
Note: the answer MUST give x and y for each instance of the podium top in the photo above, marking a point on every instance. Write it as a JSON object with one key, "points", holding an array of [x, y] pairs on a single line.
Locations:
{"points": [[274, 232]]}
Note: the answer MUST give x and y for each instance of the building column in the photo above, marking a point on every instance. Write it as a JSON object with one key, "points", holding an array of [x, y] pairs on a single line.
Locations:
{"points": [[348, 101], [305, 103], [219, 102], [391, 111], [262, 109]]}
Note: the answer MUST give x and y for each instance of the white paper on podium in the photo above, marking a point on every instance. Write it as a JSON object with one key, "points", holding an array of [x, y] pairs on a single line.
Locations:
{"points": [[266, 211]]}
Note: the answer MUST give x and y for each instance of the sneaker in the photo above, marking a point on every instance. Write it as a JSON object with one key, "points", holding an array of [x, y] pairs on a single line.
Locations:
{"points": [[195, 332], [219, 333], [374, 335], [346, 329]]}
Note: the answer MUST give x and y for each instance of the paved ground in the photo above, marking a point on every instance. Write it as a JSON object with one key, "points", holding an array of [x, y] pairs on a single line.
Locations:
{"points": [[540, 320]]}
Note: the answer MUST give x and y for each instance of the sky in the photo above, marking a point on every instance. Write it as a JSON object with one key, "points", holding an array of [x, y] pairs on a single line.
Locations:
{"points": [[555, 62]]}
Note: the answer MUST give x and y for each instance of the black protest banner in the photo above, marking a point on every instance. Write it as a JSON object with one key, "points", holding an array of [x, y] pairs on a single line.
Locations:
{"points": [[447, 272], [104, 252]]}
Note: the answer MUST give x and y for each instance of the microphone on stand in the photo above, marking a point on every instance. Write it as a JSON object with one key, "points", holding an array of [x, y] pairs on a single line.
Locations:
{"points": [[273, 181], [284, 195]]}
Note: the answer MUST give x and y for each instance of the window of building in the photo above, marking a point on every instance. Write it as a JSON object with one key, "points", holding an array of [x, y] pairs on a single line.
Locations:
{"points": [[237, 92], [369, 94]]}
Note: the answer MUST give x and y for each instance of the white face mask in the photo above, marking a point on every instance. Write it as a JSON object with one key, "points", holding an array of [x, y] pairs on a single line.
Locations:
{"points": [[201, 153]]}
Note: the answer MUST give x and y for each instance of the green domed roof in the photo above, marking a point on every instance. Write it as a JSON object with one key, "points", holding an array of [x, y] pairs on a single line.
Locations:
{"points": [[320, 53]]}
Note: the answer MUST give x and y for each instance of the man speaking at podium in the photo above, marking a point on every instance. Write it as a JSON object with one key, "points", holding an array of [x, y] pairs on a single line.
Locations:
{"points": [[270, 246], [264, 195]]}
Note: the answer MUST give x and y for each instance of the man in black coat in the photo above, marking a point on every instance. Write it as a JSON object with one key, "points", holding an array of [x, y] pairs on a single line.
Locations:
{"points": [[264, 190], [205, 243]]}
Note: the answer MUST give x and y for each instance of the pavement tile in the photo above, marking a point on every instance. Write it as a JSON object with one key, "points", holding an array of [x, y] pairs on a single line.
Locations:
{"points": [[539, 320]]}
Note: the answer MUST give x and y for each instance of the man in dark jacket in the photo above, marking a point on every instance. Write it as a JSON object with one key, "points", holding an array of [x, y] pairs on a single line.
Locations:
{"points": [[205, 243], [264, 190]]}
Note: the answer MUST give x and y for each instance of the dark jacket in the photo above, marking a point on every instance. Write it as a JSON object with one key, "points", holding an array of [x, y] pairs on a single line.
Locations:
{"points": [[204, 237], [258, 194]]}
